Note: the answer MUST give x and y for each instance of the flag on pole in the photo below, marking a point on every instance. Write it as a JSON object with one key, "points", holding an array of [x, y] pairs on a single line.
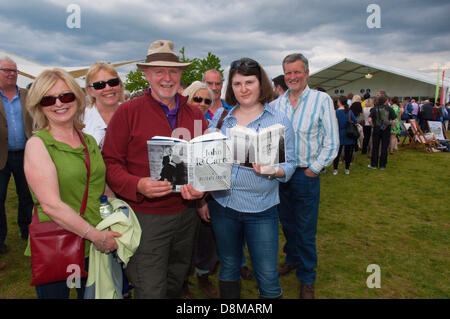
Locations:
{"points": [[437, 88], [442, 89]]}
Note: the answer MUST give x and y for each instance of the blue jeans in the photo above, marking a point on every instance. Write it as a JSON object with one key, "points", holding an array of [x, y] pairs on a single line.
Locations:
{"points": [[260, 231], [14, 166], [299, 209], [59, 289]]}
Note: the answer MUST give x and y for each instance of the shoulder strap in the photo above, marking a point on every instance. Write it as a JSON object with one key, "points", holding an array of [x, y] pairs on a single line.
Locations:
{"points": [[222, 116], [87, 162]]}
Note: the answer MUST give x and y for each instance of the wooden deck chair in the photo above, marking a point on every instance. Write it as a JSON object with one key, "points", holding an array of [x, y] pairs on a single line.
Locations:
{"points": [[428, 141], [412, 141], [438, 130]]}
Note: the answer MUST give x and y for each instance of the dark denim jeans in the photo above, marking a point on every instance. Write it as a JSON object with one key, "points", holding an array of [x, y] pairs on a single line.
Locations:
{"points": [[260, 231], [59, 290], [299, 210], [14, 166]]}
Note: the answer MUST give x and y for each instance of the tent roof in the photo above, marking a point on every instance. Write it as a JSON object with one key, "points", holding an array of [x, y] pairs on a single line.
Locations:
{"points": [[31, 69], [348, 70]]}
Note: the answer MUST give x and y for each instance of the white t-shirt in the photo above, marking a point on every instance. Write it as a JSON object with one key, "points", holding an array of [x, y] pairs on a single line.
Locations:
{"points": [[94, 124]]}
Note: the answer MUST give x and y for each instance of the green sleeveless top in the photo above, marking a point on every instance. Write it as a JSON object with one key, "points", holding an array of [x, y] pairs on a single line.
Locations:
{"points": [[72, 175]]}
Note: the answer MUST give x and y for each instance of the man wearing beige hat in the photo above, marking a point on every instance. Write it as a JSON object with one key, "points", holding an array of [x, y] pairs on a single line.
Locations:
{"points": [[168, 220]]}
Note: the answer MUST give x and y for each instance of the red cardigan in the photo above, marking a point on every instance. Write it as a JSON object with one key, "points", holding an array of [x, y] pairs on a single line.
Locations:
{"points": [[125, 149]]}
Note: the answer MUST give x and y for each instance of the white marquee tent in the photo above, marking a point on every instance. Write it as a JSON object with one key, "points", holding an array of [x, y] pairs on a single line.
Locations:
{"points": [[349, 76]]}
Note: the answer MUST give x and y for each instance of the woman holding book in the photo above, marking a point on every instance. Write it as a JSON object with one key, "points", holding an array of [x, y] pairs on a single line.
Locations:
{"points": [[248, 210]]}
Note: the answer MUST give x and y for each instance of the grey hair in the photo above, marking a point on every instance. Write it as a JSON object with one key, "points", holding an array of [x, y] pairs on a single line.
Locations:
{"points": [[296, 57], [8, 59], [204, 74]]}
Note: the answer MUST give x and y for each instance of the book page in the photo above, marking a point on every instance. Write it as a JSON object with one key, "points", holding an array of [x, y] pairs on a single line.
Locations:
{"points": [[244, 145], [271, 145], [210, 165], [168, 161]]}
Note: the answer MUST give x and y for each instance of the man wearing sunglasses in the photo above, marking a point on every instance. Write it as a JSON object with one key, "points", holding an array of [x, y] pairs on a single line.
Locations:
{"points": [[168, 220], [15, 129]]}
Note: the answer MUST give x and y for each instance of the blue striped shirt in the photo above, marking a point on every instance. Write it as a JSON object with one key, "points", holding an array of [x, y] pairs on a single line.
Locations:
{"points": [[250, 192], [315, 126], [16, 129]]}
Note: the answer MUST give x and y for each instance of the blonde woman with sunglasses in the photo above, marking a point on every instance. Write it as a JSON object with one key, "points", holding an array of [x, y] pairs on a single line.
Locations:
{"points": [[105, 91], [55, 167]]}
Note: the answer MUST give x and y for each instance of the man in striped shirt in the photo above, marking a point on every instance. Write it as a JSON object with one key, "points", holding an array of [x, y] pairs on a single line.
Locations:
{"points": [[316, 145]]}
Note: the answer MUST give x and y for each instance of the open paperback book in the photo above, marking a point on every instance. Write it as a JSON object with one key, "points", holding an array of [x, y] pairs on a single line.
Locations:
{"points": [[266, 147], [204, 162]]}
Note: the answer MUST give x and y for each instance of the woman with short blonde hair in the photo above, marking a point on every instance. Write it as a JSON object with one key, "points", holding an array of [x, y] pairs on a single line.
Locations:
{"points": [[47, 80], [105, 91]]}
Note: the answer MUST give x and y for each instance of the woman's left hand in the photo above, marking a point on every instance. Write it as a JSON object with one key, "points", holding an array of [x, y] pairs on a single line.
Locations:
{"points": [[189, 193]]}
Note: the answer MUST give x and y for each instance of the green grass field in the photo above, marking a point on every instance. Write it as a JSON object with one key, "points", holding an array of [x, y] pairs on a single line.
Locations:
{"points": [[397, 219]]}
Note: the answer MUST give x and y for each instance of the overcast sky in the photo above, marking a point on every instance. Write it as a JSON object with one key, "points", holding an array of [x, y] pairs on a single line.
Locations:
{"points": [[414, 35]]}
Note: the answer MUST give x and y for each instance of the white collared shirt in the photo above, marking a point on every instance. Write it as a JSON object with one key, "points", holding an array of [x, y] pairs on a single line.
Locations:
{"points": [[94, 124]]}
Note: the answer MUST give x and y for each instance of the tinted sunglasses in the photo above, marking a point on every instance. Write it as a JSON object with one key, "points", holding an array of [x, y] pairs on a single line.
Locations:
{"points": [[64, 98], [247, 63], [100, 85], [199, 99]]}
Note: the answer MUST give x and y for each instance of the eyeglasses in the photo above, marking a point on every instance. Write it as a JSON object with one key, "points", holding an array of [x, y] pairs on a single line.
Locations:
{"points": [[199, 99], [9, 70], [51, 100], [100, 85], [249, 63]]}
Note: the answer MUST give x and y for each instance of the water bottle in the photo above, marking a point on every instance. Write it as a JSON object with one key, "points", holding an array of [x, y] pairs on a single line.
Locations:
{"points": [[105, 207]]}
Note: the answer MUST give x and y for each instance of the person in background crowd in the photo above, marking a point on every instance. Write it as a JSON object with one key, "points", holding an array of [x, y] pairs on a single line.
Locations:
{"points": [[15, 129], [367, 127], [249, 209], [214, 81], [316, 145], [201, 96], [55, 168], [168, 220], [345, 143], [396, 129], [382, 118], [279, 85]]}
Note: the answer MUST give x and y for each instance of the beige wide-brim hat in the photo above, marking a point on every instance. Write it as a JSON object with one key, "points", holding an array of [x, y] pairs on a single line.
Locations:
{"points": [[160, 53]]}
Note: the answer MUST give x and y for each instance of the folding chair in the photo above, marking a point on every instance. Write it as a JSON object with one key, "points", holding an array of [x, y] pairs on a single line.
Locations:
{"points": [[428, 141], [438, 130], [412, 141]]}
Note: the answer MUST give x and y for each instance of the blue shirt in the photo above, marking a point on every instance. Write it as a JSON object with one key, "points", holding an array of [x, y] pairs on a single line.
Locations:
{"points": [[16, 130], [250, 192], [342, 118], [315, 126]]}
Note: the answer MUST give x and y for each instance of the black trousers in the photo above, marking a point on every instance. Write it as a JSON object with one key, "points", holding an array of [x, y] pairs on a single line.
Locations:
{"points": [[380, 139], [367, 130], [348, 152]]}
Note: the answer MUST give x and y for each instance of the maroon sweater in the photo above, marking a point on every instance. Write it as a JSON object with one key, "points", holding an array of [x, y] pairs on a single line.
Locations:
{"points": [[125, 149]]}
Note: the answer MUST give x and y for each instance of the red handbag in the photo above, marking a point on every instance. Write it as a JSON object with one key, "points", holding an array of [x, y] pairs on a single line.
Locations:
{"points": [[54, 249]]}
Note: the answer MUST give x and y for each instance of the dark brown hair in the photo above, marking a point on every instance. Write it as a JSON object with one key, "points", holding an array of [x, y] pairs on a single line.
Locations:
{"points": [[248, 67], [343, 101]]}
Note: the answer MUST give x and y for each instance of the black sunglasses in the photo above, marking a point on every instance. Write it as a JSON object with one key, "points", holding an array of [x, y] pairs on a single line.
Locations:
{"points": [[100, 85], [199, 99], [64, 98], [249, 63]]}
